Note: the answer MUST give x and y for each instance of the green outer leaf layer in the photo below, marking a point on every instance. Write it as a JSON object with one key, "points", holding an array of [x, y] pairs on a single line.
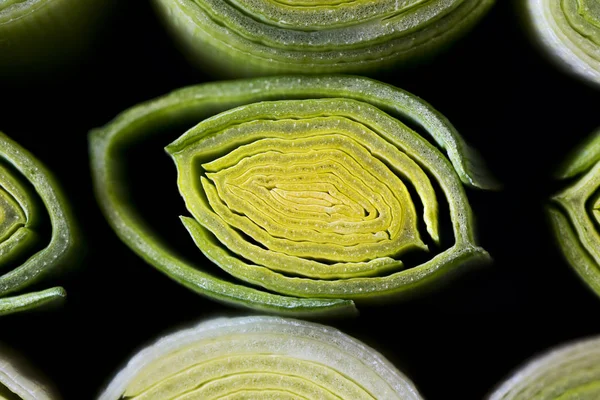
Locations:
{"points": [[249, 37], [60, 251], [571, 211], [571, 371], [569, 33], [35, 34], [190, 105], [231, 349]]}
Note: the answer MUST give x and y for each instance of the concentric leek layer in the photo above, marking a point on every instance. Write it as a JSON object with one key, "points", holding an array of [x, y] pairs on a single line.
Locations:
{"points": [[575, 214], [19, 381], [567, 373], [26, 188], [570, 32], [315, 199], [242, 37], [259, 358], [39, 33]]}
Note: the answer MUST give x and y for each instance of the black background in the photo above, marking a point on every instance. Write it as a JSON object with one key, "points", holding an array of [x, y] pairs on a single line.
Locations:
{"points": [[510, 103]]}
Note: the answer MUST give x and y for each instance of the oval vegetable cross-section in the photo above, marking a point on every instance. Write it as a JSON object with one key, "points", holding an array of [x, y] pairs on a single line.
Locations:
{"points": [[575, 211], [259, 357], [252, 37], [30, 197], [36, 34], [571, 371], [19, 381], [569, 31], [309, 187]]}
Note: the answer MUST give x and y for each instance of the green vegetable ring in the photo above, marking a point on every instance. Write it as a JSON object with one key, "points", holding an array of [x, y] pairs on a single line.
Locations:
{"points": [[26, 189], [571, 371], [309, 187], [575, 214], [250, 37]]}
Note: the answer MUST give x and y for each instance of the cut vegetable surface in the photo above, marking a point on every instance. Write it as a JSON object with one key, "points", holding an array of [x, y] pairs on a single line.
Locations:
{"points": [[574, 212], [569, 31], [250, 37], [568, 372], [36, 34], [31, 199], [259, 358], [19, 381], [309, 190]]}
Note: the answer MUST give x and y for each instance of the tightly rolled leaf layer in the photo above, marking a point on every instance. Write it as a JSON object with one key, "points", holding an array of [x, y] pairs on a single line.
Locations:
{"points": [[568, 372], [316, 198], [35, 34], [250, 37], [29, 197], [569, 30], [574, 211], [19, 381], [259, 357]]}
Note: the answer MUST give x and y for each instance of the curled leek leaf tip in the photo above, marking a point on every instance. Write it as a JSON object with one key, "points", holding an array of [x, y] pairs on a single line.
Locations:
{"points": [[569, 32], [571, 371], [574, 211], [259, 357], [313, 202], [30, 203], [19, 381], [258, 37]]}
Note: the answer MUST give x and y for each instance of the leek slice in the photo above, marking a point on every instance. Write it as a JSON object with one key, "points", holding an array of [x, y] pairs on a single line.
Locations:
{"points": [[574, 211], [259, 358], [19, 381], [26, 188], [333, 237], [569, 31], [571, 371], [258, 37]]}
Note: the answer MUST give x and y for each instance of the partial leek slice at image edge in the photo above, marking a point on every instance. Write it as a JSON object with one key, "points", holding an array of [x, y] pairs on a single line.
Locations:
{"points": [[573, 211], [571, 371], [276, 355], [235, 39], [20, 381], [568, 32], [193, 104], [22, 176], [40, 34]]}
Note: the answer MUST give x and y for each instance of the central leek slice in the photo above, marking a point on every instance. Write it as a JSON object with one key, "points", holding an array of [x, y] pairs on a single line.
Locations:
{"points": [[321, 190], [304, 197]]}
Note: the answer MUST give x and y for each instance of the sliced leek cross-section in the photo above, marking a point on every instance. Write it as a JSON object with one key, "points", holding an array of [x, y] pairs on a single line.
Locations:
{"points": [[569, 31], [575, 211], [36, 34], [252, 37], [29, 196], [19, 381], [309, 189], [259, 358], [569, 372]]}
